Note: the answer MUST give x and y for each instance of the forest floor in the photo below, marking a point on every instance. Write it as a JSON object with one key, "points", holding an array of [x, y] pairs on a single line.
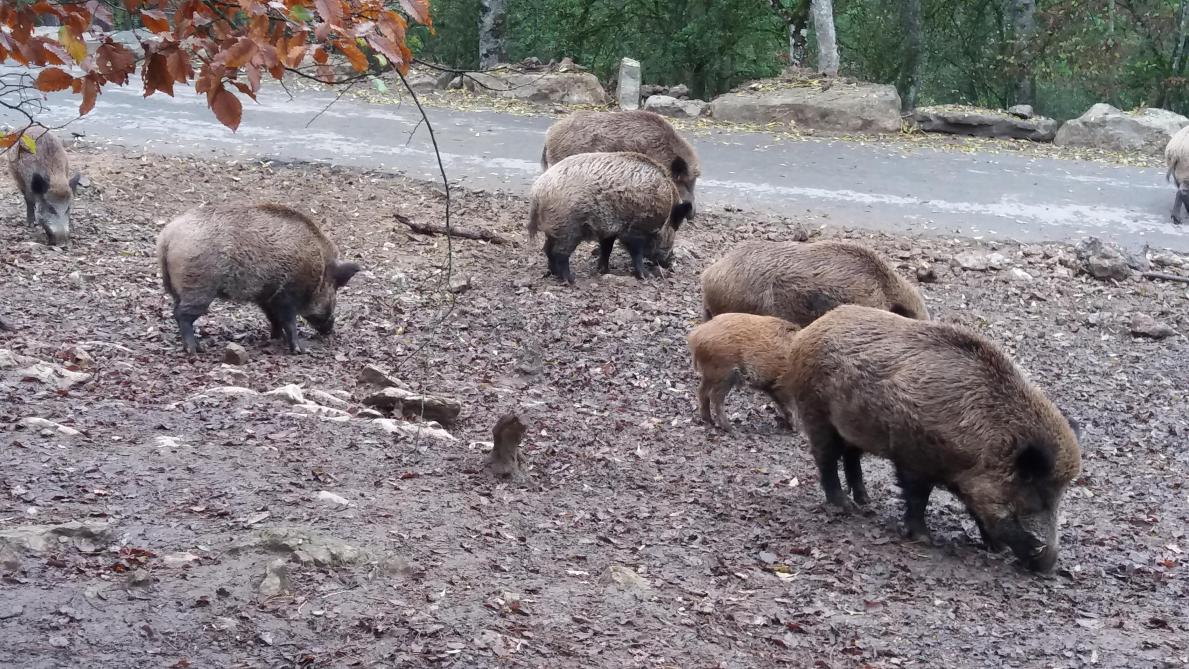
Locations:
{"points": [[172, 525]]}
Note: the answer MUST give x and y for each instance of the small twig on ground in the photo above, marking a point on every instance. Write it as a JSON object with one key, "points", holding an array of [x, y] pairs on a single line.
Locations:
{"points": [[504, 460], [465, 233], [1162, 276]]}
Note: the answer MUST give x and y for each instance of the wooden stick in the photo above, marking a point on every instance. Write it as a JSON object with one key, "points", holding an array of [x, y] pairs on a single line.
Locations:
{"points": [[1163, 276], [455, 231]]}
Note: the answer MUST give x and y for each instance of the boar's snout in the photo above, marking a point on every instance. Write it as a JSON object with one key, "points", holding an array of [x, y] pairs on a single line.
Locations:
{"points": [[1033, 540], [1043, 560], [57, 235], [323, 325]]}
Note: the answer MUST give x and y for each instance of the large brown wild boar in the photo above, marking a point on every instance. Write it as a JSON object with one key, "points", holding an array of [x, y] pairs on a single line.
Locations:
{"points": [[730, 348], [800, 281], [44, 179], [604, 196], [635, 131], [949, 409], [268, 254]]}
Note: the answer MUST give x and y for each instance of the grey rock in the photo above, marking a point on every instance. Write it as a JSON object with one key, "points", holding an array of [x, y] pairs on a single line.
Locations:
{"points": [[1019, 275], [276, 579], [306, 547], [86, 536], [1138, 260], [235, 354], [1101, 261], [860, 107], [570, 88], [972, 261], [1143, 325], [459, 283], [627, 92], [1106, 127], [926, 275], [393, 400], [1021, 111], [372, 375], [291, 394], [680, 91], [666, 105], [985, 123]]}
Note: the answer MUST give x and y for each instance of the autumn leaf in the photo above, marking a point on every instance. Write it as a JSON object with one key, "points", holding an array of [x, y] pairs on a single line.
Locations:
{"points": [[331, 11], [156, 76], [300, 14], [320, 56], [90, 92], [114, 61], [53, 79], [353, 54], [227, 108], [8, 140], [74, 46], [418, 10], [155, 20], [240, 53], [392, 26], [397, 54], [29, 143]]}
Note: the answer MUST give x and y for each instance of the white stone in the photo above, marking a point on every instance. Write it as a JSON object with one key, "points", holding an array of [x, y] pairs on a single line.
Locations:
{"points": [[628, 92], [291, 393]]}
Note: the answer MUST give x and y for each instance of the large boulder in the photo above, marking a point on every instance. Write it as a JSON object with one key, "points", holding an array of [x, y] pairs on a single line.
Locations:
{"points": [[567, 88], [628, 90], [1105, 127], [985, 123], [831, 104], [667, 105]]}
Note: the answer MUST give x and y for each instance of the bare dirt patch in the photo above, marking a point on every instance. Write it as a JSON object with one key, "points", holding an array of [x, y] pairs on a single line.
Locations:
{"points": [[241, 531]]}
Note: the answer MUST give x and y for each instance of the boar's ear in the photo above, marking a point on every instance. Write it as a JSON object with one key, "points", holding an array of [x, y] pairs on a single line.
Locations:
{"points": [[679, 213], [39, 184], [1034, 463], [679, 168], [342, 272]]}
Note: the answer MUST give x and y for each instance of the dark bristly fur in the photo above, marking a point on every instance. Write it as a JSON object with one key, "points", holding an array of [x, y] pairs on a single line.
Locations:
{"points": [[800, 281], [268, 254], [44, 180], [602, 197], [948, 408]]}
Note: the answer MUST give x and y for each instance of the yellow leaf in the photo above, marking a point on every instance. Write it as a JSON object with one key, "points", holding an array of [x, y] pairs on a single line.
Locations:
{"points": [[29, 142], [74, 46]]}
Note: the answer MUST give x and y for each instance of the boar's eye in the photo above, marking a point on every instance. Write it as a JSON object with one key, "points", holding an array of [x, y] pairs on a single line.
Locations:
{"points": [[1034, 463]]}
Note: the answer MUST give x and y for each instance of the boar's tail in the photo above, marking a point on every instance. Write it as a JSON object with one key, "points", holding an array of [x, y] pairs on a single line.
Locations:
{"points": [[534, 220]]}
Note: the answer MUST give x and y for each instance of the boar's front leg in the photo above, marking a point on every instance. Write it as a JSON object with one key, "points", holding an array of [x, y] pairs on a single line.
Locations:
{"points": [[635, 247], [916, 498], [606, 246], [285, 313], [274, 321], [828, 447], [30, 209], [853, 466]]}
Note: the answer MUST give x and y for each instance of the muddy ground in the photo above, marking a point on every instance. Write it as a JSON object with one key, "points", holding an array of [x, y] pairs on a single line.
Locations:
{"points": [[642, 539]]}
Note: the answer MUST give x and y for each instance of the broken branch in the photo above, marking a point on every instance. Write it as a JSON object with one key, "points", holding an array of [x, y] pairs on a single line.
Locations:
{"points": [[1163, 276], [465, 233]]}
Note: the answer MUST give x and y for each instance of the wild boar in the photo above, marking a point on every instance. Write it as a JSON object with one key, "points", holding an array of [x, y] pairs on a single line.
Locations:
{"points": [[268, 254], [949, 409], [1176, 155], [634, 131], [730, 348], [800, 281], [44, 179], [605, 196]]}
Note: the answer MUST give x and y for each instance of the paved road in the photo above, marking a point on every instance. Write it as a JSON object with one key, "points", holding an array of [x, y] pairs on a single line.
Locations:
{"points": [[937, 192]]}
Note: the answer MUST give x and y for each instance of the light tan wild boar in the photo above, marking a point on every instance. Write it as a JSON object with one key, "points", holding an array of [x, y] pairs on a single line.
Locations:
{"points": [[730, 348], [949, 409], [1176, 154], [268, 254], [800, 281], [604, 196], [635, 131], [44, 179]]}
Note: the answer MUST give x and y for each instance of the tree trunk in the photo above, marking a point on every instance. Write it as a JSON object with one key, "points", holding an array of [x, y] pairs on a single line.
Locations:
{"points": [[827, 45], [1023, 23], [1177, 67], [796, 18], [910, 69], [491, 33]]}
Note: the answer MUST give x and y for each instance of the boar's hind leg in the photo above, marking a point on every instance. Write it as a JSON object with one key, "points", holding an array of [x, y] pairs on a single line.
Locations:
{"points": [[185, 313], [853, 466], [916, 497], [29, 210], [828, 448], [635, 248]]}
